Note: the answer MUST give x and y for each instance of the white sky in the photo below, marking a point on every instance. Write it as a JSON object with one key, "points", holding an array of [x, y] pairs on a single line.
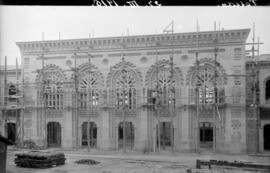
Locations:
{"points": [[26, 23]]}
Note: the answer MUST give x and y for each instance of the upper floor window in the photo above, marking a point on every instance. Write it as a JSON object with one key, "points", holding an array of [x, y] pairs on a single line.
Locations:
{"points": [[205, 83], [53, 92], [163, 86], [51, 87], [164, 80], [125, 86], [124, 80], [208, 81], [88, 91]]}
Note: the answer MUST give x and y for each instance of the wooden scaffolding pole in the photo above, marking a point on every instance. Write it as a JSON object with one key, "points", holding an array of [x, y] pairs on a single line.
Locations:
{"points": [[16, 110], [157, 108], [257, 100], [43, 100], [5, 99], [76, 101], [172, 92], [197, 133], [89, 101], [215, 93], [23, 107]]}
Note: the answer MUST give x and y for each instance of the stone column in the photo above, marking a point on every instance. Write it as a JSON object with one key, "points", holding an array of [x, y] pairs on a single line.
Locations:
{"points": [[104, 136], [142, 130], [67, 130], [185, 141]]}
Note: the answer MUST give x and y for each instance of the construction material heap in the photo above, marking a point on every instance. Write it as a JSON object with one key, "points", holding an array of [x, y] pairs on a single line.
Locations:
{"points": [[36, 159]]}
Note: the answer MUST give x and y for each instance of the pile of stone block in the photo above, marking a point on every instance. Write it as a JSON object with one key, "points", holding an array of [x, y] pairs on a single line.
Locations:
{"points": [[37, 159], [87, 162]]}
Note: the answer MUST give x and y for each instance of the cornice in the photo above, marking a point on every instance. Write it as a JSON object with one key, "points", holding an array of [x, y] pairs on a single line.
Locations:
{"points": [[133, 42], [262, 64], [98, 53]]}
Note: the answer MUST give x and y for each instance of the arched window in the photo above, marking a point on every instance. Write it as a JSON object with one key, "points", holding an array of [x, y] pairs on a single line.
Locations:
{"points": [[205, 83], [124, 81], [205, 78], [89, 90], [163, 80], [267, 90], [163, 85], [51, 87], [125, 89], [53, 91]]}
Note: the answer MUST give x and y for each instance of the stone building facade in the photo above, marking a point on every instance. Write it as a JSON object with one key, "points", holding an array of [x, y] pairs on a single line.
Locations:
{"points": [[149, 85], [258, 109]]}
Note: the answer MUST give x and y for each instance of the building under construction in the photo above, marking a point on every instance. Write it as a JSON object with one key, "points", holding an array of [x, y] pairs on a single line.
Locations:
{"points": [[174, 91]]}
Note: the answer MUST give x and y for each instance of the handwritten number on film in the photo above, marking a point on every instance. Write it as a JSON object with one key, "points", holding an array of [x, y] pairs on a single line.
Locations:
{"points": [[132, 3]]}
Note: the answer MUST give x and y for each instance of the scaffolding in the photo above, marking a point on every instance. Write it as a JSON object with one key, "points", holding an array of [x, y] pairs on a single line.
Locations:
{"points": [[158, 91]]}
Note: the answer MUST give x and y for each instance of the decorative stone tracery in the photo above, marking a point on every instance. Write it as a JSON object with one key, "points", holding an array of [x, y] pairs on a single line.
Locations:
{"points": [[90, 86], [209, 64], [151, 76], [205, 76], [124, 81], [163, 83], [50, 82]]}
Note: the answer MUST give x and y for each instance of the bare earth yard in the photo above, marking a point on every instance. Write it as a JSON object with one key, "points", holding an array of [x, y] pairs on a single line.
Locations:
{"points": [[134, 162]]}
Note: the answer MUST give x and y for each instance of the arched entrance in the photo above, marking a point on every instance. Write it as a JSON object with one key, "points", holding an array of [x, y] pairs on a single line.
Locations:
{"points": [[92, 134], [11, 131], [267, 90], [54, 134], [266, 137], [165, 137], [129, 137], [206, 135]]}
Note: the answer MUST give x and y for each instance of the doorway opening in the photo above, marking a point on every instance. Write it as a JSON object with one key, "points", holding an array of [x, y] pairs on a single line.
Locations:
{"points": [[206, 135], [54, 134], [165, 135], [129, 137], [11, 131], [267, 90], [92, 134], [266, 137]]}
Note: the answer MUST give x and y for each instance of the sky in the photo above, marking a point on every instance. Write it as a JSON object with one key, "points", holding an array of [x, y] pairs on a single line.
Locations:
{"points": [[27, 23]]}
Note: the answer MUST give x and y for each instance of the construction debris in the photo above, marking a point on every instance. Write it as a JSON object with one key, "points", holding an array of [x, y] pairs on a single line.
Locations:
{"points": [[35, 159], [87, 162], [235, 164]]}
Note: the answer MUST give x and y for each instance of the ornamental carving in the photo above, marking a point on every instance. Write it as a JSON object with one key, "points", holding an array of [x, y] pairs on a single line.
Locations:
{"points": [[206, 65], [205, 77], [115, 71], [125, 81], [51, 73], [163, 70], [90, 83], [88, 74]]}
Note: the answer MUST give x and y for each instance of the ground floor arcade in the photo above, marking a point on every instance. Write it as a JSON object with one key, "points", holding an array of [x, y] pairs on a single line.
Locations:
{"points": [[146, 130]]}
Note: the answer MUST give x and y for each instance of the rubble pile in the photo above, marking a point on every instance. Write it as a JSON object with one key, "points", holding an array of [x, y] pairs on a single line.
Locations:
{"points": [[35, 159], [87, 162]]}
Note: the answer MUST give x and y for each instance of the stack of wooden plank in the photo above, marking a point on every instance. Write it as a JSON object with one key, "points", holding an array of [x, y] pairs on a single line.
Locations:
{"points": [[35, 159], [235, 164]]}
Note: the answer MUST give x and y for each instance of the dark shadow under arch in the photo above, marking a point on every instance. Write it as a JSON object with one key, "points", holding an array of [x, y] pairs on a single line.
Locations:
{"points": [[92, 134], [54, 134], [130, 136], [266, 137], [267, 90]]}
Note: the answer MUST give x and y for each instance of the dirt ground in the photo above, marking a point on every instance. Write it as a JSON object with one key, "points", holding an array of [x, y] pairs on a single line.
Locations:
{"points": [[134, 162]]}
